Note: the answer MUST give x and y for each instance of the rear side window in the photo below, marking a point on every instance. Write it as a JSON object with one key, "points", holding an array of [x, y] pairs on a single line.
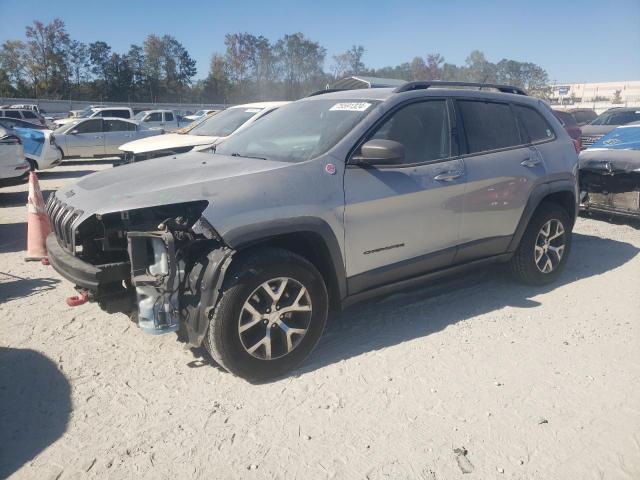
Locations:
{"points": [[423, 129], [534, 124], [118, 126], [12, 114], [488, 125], [154, 117], [29, 114], [168, 117]]}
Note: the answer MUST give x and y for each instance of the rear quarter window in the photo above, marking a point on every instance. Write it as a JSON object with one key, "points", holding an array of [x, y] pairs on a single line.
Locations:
{"points": [[488, 125], [534, 124]]}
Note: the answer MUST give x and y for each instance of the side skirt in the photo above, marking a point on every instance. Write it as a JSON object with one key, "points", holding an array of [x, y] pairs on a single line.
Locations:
{"points": [[422, 279]]}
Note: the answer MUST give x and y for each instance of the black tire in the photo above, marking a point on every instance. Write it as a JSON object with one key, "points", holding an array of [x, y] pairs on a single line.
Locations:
{"points": [[246, 275], [33, 165], [523, 263]]}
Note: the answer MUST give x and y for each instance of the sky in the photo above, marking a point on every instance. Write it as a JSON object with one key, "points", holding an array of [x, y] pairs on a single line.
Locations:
{"points": [[574, 41]]}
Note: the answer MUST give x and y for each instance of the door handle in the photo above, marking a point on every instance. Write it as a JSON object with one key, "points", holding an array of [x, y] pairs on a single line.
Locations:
{"points": [[530, 162], [448, 176]]}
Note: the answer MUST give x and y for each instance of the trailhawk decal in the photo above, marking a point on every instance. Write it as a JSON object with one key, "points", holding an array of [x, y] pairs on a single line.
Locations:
{"points": [[382, 249]]}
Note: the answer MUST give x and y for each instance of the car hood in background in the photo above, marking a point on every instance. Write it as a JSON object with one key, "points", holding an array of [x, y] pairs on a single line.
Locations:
{"points": [[596, 130], [65, 121], [166, 142], [194, 176]]}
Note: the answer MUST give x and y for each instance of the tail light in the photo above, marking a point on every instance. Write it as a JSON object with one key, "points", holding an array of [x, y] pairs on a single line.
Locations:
{"points": [[577, 142], [10, 140]]}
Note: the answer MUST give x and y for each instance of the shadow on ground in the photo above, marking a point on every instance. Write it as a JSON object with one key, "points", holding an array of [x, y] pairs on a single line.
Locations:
{"points": [[89, 161], [61, 174], [19, 199], [13, 286], [613, 219], [423, 311], [35, 405], [13, 236], [419, 312]]}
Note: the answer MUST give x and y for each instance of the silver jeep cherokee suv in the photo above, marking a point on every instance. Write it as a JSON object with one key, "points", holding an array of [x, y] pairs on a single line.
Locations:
{"points": [[329, 200]]}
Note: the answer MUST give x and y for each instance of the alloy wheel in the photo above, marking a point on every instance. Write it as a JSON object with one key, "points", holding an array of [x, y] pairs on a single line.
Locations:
{"points": [[275, 318], [550, 246]]}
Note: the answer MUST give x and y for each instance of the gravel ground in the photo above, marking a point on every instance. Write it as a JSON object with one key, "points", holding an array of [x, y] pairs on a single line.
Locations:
{"points": [[477, 374]]}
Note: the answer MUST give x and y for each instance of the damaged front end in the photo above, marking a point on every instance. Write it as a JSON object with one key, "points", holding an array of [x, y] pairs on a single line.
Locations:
{"points": [[610, 182], [141, 262]]}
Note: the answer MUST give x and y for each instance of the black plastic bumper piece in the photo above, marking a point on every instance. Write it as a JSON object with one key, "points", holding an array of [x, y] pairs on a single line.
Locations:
{"points": [[83, 274]]}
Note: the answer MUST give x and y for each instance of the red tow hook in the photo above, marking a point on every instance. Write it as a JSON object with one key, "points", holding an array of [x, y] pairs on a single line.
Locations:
{"points": [[78, 300]]}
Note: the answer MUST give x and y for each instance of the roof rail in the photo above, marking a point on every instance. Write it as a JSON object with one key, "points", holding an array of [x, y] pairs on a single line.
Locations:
{"points": [[327, 90], [421, 85]]}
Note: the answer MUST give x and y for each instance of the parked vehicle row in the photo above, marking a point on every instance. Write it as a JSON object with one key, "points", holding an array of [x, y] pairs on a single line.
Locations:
{"points": [[39, 144], [604, 123], [202, 136], [322, 202]]}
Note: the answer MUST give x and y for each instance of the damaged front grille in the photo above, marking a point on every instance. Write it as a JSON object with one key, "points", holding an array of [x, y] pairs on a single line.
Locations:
{"points": [[588, 140], [61, 218]]}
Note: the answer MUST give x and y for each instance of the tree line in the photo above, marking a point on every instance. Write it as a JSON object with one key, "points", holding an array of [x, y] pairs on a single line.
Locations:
{"points": [[48, 63]]}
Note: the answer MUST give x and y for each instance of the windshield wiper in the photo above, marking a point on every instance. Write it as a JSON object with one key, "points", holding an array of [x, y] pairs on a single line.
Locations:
{"points": [[236, 154]]}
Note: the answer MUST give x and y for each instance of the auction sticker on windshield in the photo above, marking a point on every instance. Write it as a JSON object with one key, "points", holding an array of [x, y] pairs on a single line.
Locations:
{"points": [[351, 107]]}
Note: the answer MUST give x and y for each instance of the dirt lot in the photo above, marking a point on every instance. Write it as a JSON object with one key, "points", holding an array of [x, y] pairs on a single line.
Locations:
{"points": [[478, 374]]}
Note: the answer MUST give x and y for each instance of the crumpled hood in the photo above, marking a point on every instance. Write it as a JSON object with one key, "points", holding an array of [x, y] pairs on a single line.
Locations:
{"points": [[188, 177], [609, 161], [166, 142]]}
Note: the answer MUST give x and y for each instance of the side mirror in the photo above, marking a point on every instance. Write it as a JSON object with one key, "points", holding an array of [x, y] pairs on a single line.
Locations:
{"points": [[73, 132], [380, 152]]}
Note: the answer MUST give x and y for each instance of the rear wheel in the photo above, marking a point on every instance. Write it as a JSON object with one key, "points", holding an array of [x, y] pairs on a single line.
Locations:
{"points": [[545, 245], [270, 315]]}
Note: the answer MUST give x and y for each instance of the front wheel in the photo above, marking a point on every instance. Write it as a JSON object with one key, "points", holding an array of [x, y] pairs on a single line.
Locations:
{"points": [[270, 315], [545, 245]]}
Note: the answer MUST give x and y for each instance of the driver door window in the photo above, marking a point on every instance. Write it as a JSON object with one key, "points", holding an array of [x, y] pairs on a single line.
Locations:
{"points": [[422, 128]]}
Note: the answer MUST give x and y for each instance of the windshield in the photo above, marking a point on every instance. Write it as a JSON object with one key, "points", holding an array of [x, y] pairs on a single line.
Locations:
{"points": [[67, 126], [199, 113], [140, 115], [617, 118], [225, 123], [298, 131], [86, 113]]}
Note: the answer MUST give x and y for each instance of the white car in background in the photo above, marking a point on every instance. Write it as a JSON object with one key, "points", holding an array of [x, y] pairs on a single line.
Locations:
{"points": [[14, 168], [99, 137], [103, 112], [198, 115], [203, 135], [162, 119]]}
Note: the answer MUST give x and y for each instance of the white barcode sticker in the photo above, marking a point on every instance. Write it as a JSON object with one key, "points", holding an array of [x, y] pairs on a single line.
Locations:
{"points": [[351, 107]]}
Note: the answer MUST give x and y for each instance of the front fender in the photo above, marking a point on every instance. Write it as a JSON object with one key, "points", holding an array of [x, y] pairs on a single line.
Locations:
{"points": [[201, 290]]}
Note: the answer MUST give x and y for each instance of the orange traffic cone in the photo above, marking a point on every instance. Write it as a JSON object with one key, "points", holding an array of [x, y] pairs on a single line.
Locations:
{"points": [[37, 222]]}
